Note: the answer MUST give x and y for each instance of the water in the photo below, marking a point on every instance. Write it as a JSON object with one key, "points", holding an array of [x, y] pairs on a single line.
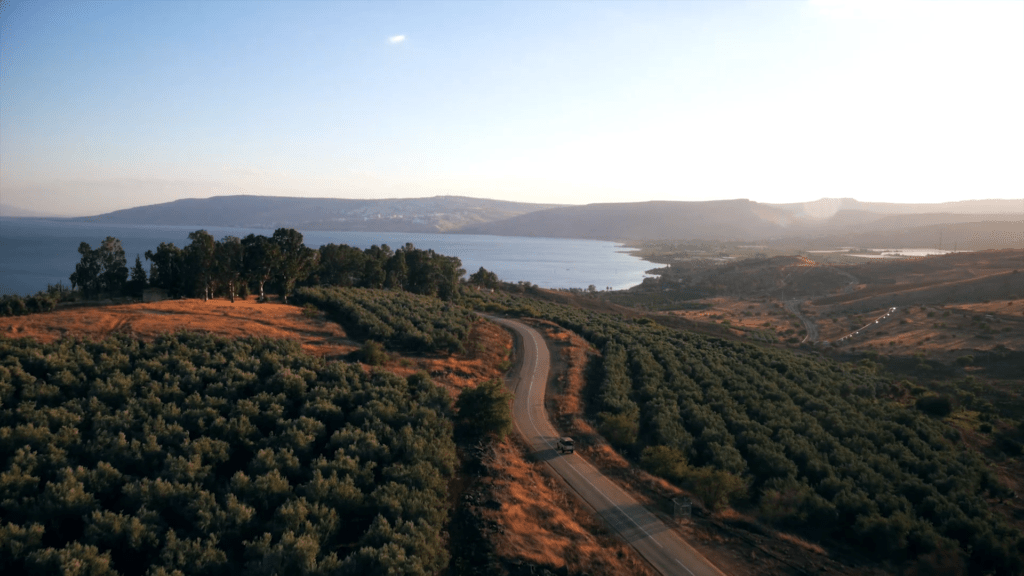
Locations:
{"points": [[904, 252], [889, 252], [37, 252]]}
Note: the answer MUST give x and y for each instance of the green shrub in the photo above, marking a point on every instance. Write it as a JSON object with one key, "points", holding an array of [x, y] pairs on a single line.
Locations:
{"points": [[715, 488], [619, 429], [664, 461], [373, 353], [935, 405], [484, 411]]}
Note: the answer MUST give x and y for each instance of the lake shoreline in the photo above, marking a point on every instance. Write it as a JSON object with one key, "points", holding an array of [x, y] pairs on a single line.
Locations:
{"points": [[42, 251]]}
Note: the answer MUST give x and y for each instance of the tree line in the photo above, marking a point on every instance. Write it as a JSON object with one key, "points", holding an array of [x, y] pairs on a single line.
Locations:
{"points": [[237, 267]]}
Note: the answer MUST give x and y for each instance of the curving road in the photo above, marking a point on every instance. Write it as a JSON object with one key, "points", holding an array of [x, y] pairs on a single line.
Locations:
{"points": [[809, 326], [661, 546]]}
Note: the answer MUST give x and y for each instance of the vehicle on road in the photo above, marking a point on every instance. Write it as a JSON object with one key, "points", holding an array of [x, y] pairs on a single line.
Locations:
{"points": [[565, 445]]}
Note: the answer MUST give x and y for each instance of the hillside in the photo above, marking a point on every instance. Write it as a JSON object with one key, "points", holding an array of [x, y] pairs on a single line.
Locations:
{"points": [[714, 220], [437, 214], [558, 531], [827, 207], [990, 232], [972, 225]]}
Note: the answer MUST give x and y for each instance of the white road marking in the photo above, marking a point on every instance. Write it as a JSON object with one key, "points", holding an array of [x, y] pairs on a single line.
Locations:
{"points": [[529, 413], [684, 566], [530, 406]]}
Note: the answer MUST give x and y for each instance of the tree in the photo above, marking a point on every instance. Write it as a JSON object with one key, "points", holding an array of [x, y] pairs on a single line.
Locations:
{"points": [[484, 278], [167, 270], [200, 258], [449, 272], [87, 272], [230, 262], [373, 265], [935, 405], [295, 260], [261, 257], [113, 265], [373, 353], [339, 265], [716, 488], [664, 461], [485, 411], [619, 429], [137, 283], [397, 272]]}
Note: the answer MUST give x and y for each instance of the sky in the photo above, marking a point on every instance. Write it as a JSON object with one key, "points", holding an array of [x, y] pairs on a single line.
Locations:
{"points": [[108, 105]]}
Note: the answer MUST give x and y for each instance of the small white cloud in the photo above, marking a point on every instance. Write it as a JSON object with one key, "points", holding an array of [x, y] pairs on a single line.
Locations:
{"points": [[397, 39]]}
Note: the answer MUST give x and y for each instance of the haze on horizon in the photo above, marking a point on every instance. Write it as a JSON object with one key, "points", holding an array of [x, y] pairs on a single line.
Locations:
{"points": [[109, 105]]}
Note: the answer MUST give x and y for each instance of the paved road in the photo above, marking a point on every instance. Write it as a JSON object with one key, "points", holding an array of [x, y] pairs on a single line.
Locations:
{"points": [[661, 546], [871, 324], [809, 326]]}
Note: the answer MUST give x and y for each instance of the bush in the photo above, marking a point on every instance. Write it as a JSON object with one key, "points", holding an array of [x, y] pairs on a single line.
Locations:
{"points": [[935, 405], [485, 411], [373, 353], [716, 488], [619, 429], [664, 461]]}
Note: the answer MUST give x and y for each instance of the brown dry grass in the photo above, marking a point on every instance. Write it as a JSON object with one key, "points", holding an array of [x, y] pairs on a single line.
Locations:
{"points": [[940, 332], [490, 344], [239, 319], [743, 315], [541, 523]]}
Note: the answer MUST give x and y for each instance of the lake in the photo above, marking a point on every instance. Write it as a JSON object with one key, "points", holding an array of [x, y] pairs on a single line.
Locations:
{"points": [[38, 252]]}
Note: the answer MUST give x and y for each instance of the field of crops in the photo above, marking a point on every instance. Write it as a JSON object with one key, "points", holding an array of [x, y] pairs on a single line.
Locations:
{"points": [[399, 320], [816, 443], [197, 454]]}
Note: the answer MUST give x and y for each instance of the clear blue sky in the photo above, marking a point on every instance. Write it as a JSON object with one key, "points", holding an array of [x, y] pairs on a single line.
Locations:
{"points": [[105, 105]]}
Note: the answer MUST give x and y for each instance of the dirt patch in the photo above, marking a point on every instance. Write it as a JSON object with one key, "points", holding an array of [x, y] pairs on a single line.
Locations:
{"points": [[529, 524], [242, 318], [489, 345], [745, 317]]}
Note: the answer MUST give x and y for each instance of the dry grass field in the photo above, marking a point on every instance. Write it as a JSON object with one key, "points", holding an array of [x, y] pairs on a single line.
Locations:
{"points": [[244, 318], [763, 320], [942, 332]]}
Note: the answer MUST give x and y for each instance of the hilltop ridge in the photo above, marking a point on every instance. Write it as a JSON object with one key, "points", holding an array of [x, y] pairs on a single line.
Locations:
{"points": [[828, 221]]}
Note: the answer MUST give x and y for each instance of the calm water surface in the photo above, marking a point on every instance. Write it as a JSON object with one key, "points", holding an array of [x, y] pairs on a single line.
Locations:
{"points": [[37, 252]]}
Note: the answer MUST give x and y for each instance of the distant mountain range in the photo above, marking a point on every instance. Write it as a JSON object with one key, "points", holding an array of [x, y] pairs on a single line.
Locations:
{"points": [[436, 214], [8, 211], [829, 221]]}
